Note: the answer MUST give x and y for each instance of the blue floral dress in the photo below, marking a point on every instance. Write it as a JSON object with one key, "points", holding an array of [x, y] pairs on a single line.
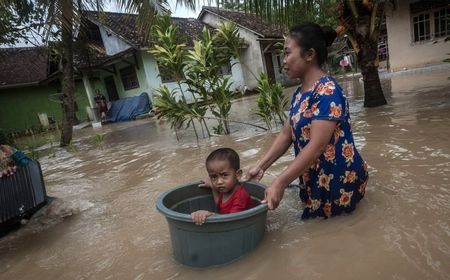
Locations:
{"points": [[336, 182]]}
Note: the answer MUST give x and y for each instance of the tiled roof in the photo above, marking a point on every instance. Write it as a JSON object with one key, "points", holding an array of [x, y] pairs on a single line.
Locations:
{"points": [[22, 65], [125, 26], [247, 20]]}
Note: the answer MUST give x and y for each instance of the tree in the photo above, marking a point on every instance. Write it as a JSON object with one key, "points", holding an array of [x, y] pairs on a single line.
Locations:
{"points": [[287, 12], [16, 17], [359, 19], [272, 102], [201, 66]]}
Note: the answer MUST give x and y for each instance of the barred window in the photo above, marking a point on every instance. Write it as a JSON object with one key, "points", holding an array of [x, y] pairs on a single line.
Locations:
{"points": [[226, 69], [442, 23], [129, 78], [421, 24]]}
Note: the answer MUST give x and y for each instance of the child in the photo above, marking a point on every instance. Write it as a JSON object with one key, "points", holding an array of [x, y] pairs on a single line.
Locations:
{"points": [[224, 174]]}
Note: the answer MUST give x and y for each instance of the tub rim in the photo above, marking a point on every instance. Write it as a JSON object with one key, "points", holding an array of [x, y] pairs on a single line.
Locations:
{"points": [[217, 218]]}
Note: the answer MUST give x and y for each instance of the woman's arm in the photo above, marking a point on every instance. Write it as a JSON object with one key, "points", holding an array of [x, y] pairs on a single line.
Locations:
{"points": [[321, 132], [277, 149]]}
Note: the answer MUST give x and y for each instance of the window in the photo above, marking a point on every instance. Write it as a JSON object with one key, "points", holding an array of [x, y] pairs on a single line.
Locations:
{"points": [[226, 69], [421, 27], [431, 25], [129, 78], [383, 46], [442, 23], [166, 76]]}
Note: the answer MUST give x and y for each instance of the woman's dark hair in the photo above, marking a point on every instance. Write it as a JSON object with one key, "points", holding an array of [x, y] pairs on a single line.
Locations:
{"points": [[310, 35]]}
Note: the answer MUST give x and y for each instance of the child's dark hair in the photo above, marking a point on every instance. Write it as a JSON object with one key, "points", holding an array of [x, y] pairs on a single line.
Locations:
{"points": [[309, 35], [225, 154]]}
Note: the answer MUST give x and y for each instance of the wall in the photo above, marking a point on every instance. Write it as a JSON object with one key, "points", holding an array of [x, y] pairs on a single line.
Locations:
{"points": [[141, 75], [21, 105], [402, 52], [251, 58], [112, 43]]}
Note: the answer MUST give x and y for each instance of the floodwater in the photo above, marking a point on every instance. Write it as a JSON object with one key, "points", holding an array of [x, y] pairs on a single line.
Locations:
{"points": [[401, 230]]}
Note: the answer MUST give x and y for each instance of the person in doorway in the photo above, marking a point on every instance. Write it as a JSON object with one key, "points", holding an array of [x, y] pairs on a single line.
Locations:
{"points": [[334, 174], [223, 166], [100, 104]]}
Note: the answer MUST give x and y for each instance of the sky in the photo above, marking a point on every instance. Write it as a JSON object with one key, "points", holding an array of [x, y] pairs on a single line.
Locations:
{"points": [[177, 11]]}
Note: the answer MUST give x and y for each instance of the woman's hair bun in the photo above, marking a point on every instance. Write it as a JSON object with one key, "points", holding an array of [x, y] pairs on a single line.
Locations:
{"points": [[329, 34]]}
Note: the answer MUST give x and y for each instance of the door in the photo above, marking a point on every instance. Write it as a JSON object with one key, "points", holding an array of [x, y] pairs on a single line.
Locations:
{"points": [[269, 67], [111, 89]]}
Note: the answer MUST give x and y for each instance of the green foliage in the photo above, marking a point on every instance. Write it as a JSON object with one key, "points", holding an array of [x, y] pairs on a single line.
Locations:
{"points": [[98, 140], [271, 101], [167, 50], [287, 12], [17, 17], [207, 87], [177, 112], [6, 138], [32, 152]]}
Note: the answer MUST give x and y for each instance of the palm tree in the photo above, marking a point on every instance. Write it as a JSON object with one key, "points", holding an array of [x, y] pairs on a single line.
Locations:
{"points": [[360, 20], [61, 20]]}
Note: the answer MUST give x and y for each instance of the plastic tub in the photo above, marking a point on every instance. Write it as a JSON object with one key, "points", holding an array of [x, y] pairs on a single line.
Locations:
{"points": [[223, 238]]}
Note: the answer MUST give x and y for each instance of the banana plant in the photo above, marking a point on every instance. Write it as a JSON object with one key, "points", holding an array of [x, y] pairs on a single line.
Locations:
{"points": [[271, 101]]}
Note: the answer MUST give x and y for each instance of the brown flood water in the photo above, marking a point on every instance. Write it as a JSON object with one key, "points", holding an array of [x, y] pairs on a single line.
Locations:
{"points": [[401, 230]]}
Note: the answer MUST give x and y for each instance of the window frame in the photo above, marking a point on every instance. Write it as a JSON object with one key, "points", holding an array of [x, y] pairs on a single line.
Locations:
{"points": [[228, 67], [131, 74], [432, 25]]}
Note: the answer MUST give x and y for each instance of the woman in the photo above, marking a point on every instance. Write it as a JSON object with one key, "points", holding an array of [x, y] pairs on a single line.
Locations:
{"points": [[333, 172]]}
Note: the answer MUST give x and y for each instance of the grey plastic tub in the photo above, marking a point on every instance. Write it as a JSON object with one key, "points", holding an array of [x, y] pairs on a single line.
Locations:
{"points": [[223, 238]]}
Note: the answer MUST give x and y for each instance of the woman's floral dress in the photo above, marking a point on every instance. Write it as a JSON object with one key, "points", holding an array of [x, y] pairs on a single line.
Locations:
{"points": [[338, 179]]}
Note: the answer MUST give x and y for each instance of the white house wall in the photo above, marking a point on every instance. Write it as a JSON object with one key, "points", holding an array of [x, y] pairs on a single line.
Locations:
{"points": [[154, 80], [112, 43], [251, 58], [403, 53]]}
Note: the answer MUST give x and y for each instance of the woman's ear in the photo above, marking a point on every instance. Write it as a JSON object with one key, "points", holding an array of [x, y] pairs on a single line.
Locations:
{"points": [[310, 55]]}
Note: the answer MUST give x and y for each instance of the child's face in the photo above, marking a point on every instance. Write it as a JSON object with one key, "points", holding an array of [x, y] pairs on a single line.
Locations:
{"points": [[223, 177]]}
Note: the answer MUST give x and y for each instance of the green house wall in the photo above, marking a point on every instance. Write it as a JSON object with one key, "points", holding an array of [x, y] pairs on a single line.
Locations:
{"points": [[19, 106]]}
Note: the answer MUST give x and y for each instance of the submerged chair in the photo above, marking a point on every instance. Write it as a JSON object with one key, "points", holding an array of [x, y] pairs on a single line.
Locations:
{"points": [[22, 193]]}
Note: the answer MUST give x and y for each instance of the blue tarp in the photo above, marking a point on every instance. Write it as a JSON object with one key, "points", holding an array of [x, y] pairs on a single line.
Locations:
{"points": [[127, 109]]}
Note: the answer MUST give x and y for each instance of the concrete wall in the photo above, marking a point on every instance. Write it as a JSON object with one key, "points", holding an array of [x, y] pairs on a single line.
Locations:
{"points": [[112, 43], [403, 53], [98, 81], [21, 105], [251, 58]]}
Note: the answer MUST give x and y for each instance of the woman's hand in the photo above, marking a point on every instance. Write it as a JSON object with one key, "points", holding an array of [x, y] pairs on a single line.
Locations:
{"points": [[199, 217], [254, 174], [273, 195], [205, 183]]}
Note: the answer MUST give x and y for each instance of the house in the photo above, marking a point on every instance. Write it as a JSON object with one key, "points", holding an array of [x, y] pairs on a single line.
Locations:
{"points": [[261, 55], [24, 92], [118, 63], [418, 33]]}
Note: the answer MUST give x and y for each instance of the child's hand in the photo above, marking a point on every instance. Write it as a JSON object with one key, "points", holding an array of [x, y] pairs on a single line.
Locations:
{"points": [[205, 183], [199, 217]]}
